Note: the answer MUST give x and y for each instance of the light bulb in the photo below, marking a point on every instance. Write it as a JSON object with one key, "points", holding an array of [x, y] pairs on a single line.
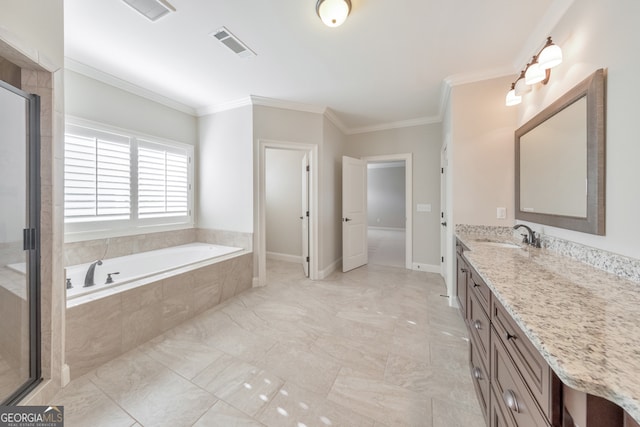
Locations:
{"points": [[333, 12], [550, 57], [512, 99], [534, 74]]}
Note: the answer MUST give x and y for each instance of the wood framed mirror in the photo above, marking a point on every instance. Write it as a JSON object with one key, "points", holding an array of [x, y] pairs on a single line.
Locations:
{"points": [[560, 161]]}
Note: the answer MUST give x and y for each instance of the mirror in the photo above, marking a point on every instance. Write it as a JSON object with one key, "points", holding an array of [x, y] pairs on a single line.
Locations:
{"points": [[560, 157]]}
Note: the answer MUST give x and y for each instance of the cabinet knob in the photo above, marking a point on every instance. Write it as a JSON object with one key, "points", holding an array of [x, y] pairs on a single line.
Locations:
{"points": [[510, 400], [477, 324], [464, 270], [477, 373], [475, 285]]}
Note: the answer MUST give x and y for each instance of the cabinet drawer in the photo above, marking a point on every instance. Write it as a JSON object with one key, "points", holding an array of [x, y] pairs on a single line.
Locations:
{"points": [[480, 381], [511, 394], [540, 379], [461, 284], [479, 288], [479, 327], [496, 415]]}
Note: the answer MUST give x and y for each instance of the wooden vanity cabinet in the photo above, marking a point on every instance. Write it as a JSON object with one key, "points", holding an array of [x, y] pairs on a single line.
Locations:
{"points": [[629, 422], [461, 281]]}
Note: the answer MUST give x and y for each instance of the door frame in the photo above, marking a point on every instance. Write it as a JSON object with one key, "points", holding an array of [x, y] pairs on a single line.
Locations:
{"points": [[408, 192], [260, 237]]}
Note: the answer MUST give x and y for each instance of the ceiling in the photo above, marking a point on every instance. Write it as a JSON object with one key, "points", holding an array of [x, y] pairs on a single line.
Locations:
{"points": [[389, 63]]}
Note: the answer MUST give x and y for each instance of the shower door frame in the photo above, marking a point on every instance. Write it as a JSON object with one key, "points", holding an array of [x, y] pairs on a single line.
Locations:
{"points": [[31, 243]]}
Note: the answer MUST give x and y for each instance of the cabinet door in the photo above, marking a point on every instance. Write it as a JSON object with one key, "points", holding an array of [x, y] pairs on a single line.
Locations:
{"points": [[629, 422], [461, 283]]}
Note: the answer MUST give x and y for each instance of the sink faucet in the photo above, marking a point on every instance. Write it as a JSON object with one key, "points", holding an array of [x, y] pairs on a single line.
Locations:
{"points": [[88, 279], [529, 238]]}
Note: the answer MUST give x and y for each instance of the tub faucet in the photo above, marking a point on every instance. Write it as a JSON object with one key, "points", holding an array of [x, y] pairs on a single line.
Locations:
{"points": [[529, 238], [88, 279]]}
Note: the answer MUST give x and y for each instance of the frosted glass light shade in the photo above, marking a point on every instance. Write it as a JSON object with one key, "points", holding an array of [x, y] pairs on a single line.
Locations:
{"points": [[512, 99], [534, 74], [333, 12], [521, 87], [550, 57]]}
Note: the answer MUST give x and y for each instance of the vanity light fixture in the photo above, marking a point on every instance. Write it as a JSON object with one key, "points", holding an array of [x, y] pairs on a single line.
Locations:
{"points": [[333, 12], [536, 71]]}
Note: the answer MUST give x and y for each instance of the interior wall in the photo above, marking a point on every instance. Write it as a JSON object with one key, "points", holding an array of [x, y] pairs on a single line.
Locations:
{"points": [[225, 171], [386, 196], [483, 152], [91, 99], [424, 143], [331, 151], [595, 34], [283, 188]]}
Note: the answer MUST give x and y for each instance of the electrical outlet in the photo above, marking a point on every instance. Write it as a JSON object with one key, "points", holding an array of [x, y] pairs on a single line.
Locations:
{"points": [[501, 213]]}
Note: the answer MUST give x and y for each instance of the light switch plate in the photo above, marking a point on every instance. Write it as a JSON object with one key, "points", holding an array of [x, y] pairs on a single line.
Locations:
{"points": [[501, 213], [424, 207]]}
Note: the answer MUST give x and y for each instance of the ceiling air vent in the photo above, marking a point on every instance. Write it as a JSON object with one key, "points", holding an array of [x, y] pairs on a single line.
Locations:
{"points": [[151, 9], [225, 37]]}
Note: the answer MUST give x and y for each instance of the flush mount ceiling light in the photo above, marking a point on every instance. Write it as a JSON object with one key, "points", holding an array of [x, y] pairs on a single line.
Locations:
{"points": [[333, 12], [151, 9], [536, 71]]}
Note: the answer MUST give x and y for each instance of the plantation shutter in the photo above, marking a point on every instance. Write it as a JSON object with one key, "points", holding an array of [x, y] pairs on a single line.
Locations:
{"points": [[97, 178], [163, 180]]}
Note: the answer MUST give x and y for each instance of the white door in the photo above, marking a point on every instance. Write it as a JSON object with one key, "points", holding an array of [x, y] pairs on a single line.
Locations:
{"points": [[354, 213], [304, 215], [443, 212]]}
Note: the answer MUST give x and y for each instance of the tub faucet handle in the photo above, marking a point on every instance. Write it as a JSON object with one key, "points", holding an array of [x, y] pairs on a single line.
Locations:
{"points": [[109, 278], [69, 285]]}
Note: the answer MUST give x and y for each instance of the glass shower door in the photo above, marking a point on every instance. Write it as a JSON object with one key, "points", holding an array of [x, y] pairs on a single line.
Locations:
{"points": [[19, 207]]}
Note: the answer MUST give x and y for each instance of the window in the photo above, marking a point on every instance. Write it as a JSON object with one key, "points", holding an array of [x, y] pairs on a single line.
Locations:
{"points": [[116, 182]]}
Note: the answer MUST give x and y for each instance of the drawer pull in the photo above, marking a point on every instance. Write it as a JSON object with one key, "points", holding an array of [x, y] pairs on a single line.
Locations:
{"points": [[464, 270], [477, 324], [477, 373], [508, 336], [475, 285], [510, 400]]}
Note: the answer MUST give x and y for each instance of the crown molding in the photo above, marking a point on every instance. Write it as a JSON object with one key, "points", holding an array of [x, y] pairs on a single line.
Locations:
{"points": [[286, 105], [396, 125], [333, 118], [225, 106], [101, 76]]}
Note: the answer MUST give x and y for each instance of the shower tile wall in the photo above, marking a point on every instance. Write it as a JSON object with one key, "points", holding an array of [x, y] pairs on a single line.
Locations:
{"points": [[91, 250]]}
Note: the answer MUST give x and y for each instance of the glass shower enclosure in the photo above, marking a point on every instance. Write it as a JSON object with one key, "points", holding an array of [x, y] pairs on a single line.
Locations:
{"points": [[19, 243]]}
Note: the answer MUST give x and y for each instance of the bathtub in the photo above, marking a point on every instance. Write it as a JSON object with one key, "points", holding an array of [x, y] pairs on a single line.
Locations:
{"points": [[154, 292], [142, 268]]}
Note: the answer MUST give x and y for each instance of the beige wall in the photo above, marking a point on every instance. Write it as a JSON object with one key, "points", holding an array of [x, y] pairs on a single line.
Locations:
{"points": [[332, 150], [482, 152], [424, 143], [90, 99], [225, 171], [595, 34]]}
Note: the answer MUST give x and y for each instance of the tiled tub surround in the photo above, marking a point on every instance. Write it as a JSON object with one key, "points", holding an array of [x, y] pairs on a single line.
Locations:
{"points": [[584, 321], [106, 326]]}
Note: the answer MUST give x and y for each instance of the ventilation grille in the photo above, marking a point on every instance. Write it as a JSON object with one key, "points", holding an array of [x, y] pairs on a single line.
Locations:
{"points": [[225, 37], [151, 9]]}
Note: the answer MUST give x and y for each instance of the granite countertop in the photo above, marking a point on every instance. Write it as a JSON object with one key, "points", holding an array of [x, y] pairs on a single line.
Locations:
{"points": [[584, 321]]}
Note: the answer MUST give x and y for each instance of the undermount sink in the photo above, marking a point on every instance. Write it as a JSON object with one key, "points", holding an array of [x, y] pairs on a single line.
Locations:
{"points": [[497, 243]]}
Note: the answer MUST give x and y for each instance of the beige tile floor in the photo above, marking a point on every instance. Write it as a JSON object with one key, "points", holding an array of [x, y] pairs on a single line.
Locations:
{"points": [[386, 247], [374, 347]]}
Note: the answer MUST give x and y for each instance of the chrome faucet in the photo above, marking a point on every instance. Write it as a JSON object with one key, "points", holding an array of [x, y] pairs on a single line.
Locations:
{"points": [[530, 238], [88, 279]]}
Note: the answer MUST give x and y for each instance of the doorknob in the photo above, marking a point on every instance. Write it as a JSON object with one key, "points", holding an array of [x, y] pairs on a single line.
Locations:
{"points": [[444, 223], [347, 219]]}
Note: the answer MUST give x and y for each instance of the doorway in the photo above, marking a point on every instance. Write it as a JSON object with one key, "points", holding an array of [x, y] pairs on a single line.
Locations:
{"points": [[287, 208], [20, 345], [386, 213], [389, 210], [279, 165]]}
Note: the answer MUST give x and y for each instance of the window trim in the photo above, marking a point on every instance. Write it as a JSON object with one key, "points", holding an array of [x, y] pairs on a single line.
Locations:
{"points": [[89, 230]]}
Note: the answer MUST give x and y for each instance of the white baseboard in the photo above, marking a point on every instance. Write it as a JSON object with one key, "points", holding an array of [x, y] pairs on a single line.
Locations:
{"points": [[429, 268], [284, 257], [335, 265]]}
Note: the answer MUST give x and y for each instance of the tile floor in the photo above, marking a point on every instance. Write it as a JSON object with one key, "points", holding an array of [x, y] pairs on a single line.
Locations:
{"points": [[375, 347], [386, 247]]}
